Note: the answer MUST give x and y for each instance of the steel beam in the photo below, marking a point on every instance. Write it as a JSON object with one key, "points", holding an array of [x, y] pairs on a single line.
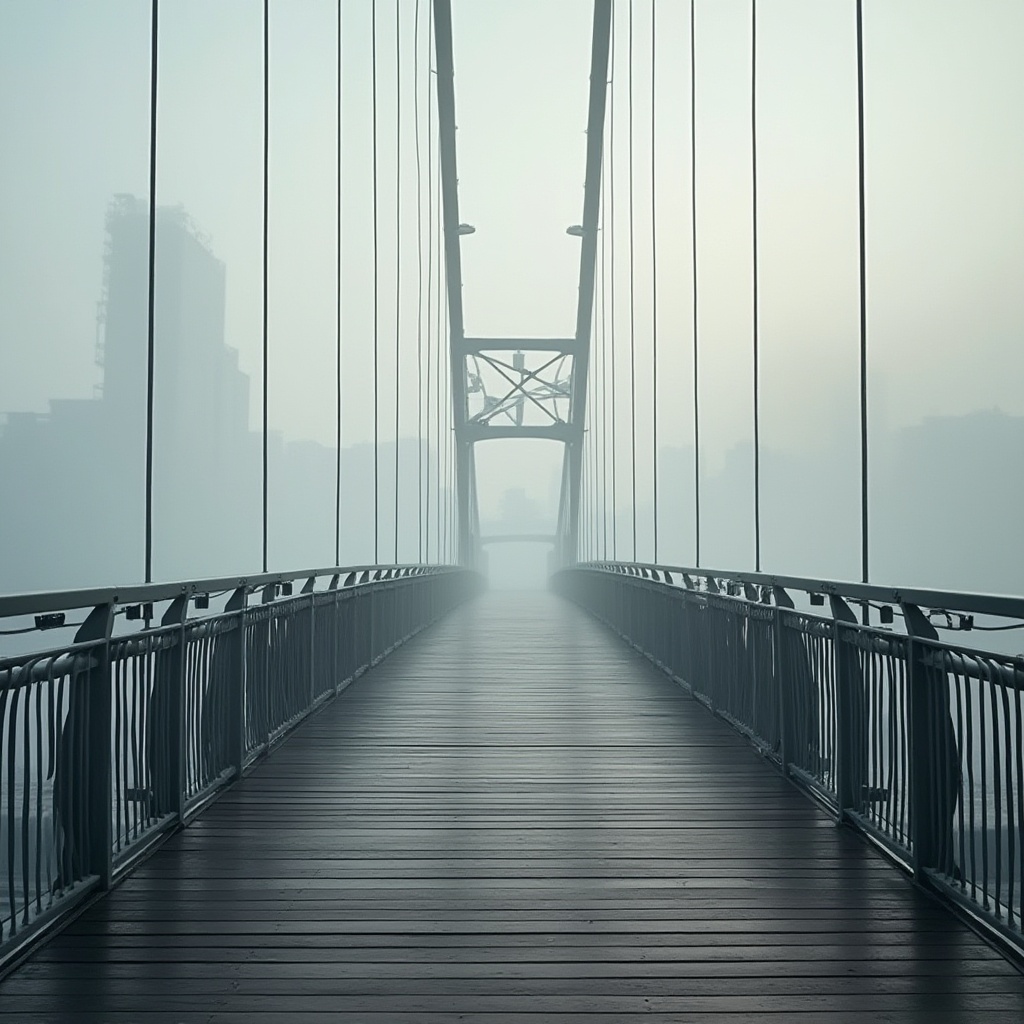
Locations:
{"points": [[485, 432], [600, 46], [520, 538], [474, 346], [445, 66]]}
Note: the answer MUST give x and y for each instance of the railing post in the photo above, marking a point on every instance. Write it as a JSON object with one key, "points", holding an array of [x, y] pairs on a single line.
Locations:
{"points": [[783, 689], [849, 713], [335, 613], [236, 737], [169, 794], [269, 595], [307, 588], [928, 715], [96, 801], [370, 610]]}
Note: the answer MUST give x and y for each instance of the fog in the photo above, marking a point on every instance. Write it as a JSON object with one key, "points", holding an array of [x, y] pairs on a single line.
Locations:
{"points": [[945, 257]]}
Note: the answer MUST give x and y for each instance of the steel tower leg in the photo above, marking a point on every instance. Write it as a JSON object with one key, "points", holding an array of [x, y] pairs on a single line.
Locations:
{"points": [[526, 389]]}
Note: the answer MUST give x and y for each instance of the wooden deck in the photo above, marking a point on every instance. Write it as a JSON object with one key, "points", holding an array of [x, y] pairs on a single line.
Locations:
{"points": [[514, 816]]}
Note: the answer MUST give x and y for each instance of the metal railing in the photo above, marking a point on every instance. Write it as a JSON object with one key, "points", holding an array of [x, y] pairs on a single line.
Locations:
{"points": [[906, 734], [164, 695]]}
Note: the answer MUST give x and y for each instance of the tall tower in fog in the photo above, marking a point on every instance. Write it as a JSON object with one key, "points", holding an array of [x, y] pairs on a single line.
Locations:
{"points": [[202, 448], [195, 372]]}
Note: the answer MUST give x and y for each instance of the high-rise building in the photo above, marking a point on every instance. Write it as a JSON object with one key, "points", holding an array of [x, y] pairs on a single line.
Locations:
{"points": [[204, 456], [80, 467]]}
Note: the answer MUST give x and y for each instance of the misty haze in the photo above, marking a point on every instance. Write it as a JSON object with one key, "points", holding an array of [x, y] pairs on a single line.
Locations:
{"points": [[511, 509]]}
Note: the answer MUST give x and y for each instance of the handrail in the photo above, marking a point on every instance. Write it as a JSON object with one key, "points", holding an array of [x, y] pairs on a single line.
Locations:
{"points": [[42, 601], [916, 741], [108, 741], [1000, 605]]}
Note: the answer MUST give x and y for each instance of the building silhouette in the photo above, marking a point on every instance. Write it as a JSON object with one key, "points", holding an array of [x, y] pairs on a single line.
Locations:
{"points": [[75, 475], [73, 478]]}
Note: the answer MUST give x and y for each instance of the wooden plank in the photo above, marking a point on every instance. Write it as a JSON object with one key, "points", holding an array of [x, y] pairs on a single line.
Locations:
{"points": [[513, 817]]}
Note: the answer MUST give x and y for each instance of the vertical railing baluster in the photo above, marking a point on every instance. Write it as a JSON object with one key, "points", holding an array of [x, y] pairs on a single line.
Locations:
{"points": [[236, 605], [335, 632], [783, 689], [92, 708], [171, 673], [307, 588], [373, 630], [269, 594], [848, 711]]}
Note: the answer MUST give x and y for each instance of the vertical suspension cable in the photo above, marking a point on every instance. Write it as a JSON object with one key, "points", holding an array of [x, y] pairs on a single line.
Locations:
{"points": [[442, 380], [587, 503], [580, 554], [151, 311], [589, 446], [454, 544], [266, 251], [449, 442], [398, 249], [757, 346], [376, 296], [603, 378], [337, 477], [430, 266], [443, 439], [442, 377], [593, 499], [592, 496], [632, 296], [611, 240], [594, 410], [863, 307], [693, 213], [654, 284], [419, 280], [595, 437]]}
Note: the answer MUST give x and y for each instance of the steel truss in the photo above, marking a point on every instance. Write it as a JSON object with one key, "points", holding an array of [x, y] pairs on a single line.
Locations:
{"points": [[520, 387]]}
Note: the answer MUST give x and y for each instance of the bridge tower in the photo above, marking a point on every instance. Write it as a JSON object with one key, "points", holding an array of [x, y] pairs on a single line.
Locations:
{"points": [[542, 382]]}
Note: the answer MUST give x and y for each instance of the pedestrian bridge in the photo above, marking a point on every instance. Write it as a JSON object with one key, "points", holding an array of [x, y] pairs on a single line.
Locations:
{"points": [[511, 813], [386, 791]]}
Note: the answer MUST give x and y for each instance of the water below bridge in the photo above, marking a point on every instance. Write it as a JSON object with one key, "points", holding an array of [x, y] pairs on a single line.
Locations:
{"points": [[514, 817]]}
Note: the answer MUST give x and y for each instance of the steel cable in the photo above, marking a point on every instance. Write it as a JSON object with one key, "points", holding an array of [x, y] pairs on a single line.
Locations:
{"points": [[654, 287], [603, 351], [632, 268], [266, 252], [693, 214], [442, 382], [757, 378], [337, 495], [863, 303], [595, 441], [151, 311], [611, 278], [430, 268], [398, 251], [419, 278], [376, 302], [453, 538], [447, 439]]}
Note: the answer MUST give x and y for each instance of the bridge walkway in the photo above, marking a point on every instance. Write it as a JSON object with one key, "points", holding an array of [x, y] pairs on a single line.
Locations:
{"points": [[514, 817]]}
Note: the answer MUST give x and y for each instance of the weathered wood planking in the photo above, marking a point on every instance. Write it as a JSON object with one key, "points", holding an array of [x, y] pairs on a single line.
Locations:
{"points": [[514, 818]]}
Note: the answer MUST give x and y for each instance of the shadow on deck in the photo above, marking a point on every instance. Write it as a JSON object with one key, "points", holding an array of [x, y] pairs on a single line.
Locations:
{"points": [[514, 815]]}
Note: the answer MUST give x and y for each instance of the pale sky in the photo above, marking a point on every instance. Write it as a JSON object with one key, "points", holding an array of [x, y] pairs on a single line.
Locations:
{"points": [[945, 162]]}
